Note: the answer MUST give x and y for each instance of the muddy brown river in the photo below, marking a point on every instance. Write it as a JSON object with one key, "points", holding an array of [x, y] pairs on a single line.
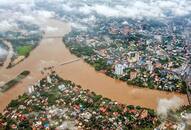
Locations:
{"points": [[52, 52]]}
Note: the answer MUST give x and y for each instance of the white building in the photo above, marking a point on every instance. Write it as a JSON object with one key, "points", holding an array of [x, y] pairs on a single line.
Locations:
{"points": [[158, 38], [62, 87], [49, 79], [150, 66], [119, 69], [30, 89]]}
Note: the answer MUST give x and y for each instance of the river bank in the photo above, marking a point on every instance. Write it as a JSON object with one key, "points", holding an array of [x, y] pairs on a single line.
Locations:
{"points": [[52, 52]]}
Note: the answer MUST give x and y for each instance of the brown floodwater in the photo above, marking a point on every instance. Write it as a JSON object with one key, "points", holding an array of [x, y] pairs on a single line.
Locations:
{"points": [[52, 52]]}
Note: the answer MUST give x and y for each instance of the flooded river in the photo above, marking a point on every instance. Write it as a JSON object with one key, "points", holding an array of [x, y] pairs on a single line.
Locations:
{"points": [[52, 52]]}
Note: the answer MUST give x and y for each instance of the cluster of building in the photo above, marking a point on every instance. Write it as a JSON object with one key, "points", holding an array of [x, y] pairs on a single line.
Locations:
{"points": [[54, 103], [128, 43], [153, 58]]}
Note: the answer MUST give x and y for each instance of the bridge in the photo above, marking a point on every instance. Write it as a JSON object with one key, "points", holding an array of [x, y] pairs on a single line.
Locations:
{"points": [[185, 73], [69, 62], [186, 76]]}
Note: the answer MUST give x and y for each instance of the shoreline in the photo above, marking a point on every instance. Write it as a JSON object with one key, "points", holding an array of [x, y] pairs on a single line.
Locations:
{"points": [[52, 52], [127, 82], [54, 91]]}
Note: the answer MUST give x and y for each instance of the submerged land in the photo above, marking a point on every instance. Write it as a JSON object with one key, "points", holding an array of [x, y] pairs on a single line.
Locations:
{"points": [[50, 55], [52, 52], [66, 64]]}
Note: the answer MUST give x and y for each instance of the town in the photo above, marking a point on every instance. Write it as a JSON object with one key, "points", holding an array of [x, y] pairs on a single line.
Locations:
{"points": [[53, 102], [95, 65], [135, 51]]}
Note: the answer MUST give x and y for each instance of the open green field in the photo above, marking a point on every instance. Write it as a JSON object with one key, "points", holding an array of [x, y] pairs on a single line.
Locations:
{"points": [[24, 50]]}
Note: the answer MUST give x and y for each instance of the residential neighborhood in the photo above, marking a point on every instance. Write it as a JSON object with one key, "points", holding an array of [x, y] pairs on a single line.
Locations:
{"points": [[95, 64], [54, 103], [120, 47]]}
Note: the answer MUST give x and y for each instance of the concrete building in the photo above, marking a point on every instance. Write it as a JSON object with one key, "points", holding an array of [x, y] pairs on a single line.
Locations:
{"points": [[62, 87], [30, 89], [49, 79], [119, 69]]}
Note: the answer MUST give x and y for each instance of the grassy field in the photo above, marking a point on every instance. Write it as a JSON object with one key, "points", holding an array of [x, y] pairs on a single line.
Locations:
{"points": [[24, 50]]}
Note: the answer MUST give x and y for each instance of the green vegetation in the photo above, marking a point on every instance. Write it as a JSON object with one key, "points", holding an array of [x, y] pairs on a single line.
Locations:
{"points": [[148, 60], [15, 81], [24, 50], [100, 64], [92, 111]]}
